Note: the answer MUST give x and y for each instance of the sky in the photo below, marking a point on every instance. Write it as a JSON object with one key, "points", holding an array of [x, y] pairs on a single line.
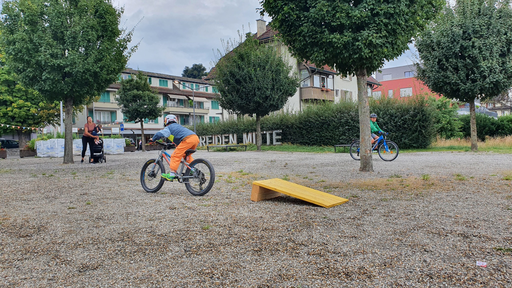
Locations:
{"points": [[172, 34]]}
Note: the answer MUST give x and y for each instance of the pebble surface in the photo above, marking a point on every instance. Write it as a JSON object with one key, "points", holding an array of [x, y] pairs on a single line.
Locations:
{"points": [[423, 220]]}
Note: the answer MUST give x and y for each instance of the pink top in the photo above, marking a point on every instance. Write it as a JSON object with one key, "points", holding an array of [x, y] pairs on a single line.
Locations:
{"points": [[89, 127]]}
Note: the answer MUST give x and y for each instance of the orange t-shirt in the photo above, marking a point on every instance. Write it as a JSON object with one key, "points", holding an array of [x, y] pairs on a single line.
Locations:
{"points": [[89, 127]]}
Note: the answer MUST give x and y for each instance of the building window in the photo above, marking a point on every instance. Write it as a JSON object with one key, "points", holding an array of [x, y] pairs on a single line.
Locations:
{"points": [[197, 87], [390, 93], [406, 92], [376, 94], [386, 77], [408, 74], [215, 105], [126, 76], [205, 88], [215, 90], [149, 81], [105, 97], [214, 119], [163, 83], [104, 117], [305, 80], [183, 86], [316, 81]]}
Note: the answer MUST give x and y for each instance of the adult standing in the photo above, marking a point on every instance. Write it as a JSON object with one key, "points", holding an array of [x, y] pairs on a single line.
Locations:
{"points": [[88, 138]]}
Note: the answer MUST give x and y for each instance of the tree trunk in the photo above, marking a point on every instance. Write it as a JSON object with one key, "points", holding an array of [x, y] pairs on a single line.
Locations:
{"points": [[472, 122], [23, 138], [364, 122], [68, 129], [258, 133], [143, 139]]}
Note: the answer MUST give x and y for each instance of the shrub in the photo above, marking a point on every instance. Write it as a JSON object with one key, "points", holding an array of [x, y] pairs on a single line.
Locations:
{"points": [[487, 126], [410, 123]]}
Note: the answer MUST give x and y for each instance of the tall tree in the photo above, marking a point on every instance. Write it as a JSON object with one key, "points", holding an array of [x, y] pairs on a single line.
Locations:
{"points": [[138, 102], [466, 54], [67, 50], [24, 108], [355, 37], [253, 79], [197, 71]]}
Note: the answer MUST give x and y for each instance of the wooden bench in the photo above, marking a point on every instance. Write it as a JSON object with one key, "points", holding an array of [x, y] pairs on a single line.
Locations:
{"points": [[271, 188], [345, 146], [227, 146]]}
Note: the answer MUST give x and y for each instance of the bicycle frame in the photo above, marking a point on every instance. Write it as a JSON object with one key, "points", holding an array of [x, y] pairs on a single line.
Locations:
{"points": [[165, 156], [381, 138]]}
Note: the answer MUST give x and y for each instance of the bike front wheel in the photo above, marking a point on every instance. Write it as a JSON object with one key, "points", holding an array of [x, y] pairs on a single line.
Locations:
{"points": [[391, 153], [151, 176], [355, 150], [204, 177]]}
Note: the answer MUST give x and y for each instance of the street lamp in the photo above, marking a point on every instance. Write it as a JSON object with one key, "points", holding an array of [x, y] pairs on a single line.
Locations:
{"points": [[193, 100]]}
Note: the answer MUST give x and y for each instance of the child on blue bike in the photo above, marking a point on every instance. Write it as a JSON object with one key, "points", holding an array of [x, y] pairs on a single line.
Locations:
{"points": [[374, 127]]}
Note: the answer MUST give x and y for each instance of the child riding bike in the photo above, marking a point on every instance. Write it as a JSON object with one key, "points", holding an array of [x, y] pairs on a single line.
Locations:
{"points": [[374, 127], [183, 138]]}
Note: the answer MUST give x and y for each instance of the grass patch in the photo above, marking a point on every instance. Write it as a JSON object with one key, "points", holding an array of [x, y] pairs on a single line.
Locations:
{"points": [[425, 177], [5, 171], [507, 177], [287, 147], [71, 208], [459, 177], [206, 227], [501, 249], [286, 178], [88, 203], [395, 176]]}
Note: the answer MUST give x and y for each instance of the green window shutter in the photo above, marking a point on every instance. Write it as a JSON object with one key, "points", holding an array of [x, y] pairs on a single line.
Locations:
{"points": [[206, 89], [201, 105], [156, 121], [130, 76], [164, 100], [149, 80], [182, 119], [105, 97], [163, 83], [197, 87], [214, 90], [113, 116], [146, 120], [74, 120], [91, 114], [202, 119], [119, 78], [215, 105], [183, 86], [180, 102]]}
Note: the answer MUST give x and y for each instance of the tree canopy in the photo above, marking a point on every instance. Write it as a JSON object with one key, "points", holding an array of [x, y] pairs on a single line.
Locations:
{"points": [[466, 54], [68, 51], [354, 37], [138, 102], [22, 107], [197, 71], [253, 79]]}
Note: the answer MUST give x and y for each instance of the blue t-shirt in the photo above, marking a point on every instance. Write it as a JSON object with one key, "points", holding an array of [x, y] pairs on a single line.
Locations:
{"points": [[174, 132]]}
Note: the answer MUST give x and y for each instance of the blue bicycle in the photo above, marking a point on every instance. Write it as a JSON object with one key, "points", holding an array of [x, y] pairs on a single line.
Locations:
{"points": [[388, 150]]}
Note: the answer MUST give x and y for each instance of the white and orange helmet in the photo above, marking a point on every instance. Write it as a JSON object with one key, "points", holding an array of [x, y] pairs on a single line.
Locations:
{"points": [[170, 119]]}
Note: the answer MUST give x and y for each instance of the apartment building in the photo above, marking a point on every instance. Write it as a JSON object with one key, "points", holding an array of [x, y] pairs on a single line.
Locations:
{"points": [[400, 83], [183, 97]]}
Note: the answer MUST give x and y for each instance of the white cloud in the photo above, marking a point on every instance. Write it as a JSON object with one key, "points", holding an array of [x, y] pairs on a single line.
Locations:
{"points": [[174, 34]]}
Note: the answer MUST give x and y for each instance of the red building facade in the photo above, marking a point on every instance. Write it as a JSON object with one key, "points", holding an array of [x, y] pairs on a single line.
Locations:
{"points": [[400, 83]]}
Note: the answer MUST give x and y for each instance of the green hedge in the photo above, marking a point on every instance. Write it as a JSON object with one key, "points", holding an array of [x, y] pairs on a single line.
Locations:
{"points": [[487, 126], [410, 123]]}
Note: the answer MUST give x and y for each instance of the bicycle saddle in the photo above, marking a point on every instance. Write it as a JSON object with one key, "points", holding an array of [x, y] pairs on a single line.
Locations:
{"points": [[189, 151]]}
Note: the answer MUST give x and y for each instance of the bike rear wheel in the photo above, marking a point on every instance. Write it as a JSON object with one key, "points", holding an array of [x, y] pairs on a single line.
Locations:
{"points": [[151, 176], [355, 150], [204, 177], [388, 155]]}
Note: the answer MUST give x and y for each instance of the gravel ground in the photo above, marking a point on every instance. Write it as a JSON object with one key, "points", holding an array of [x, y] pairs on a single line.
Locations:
{"points": [[422, 220]]}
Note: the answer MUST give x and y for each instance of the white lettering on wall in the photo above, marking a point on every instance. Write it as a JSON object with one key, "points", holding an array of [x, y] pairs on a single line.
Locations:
{"points": [[224, 139]]}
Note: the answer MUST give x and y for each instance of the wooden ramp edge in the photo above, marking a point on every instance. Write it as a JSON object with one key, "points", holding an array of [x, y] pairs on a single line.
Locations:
{"points": [[271, 188]]}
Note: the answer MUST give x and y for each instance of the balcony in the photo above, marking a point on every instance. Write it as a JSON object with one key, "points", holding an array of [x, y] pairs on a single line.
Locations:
{"points": [[175, 107], [316, 93], [112, 104]]}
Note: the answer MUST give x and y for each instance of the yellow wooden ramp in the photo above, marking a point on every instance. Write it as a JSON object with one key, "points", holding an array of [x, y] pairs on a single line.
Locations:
{"points": [[271, 188]]}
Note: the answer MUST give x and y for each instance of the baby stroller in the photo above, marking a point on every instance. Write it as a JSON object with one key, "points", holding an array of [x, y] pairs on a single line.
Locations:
{"points": [[98, 155]]}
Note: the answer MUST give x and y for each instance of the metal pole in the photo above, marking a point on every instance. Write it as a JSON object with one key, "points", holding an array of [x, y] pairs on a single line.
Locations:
{"points": [[194, 108], [61, 116]]}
